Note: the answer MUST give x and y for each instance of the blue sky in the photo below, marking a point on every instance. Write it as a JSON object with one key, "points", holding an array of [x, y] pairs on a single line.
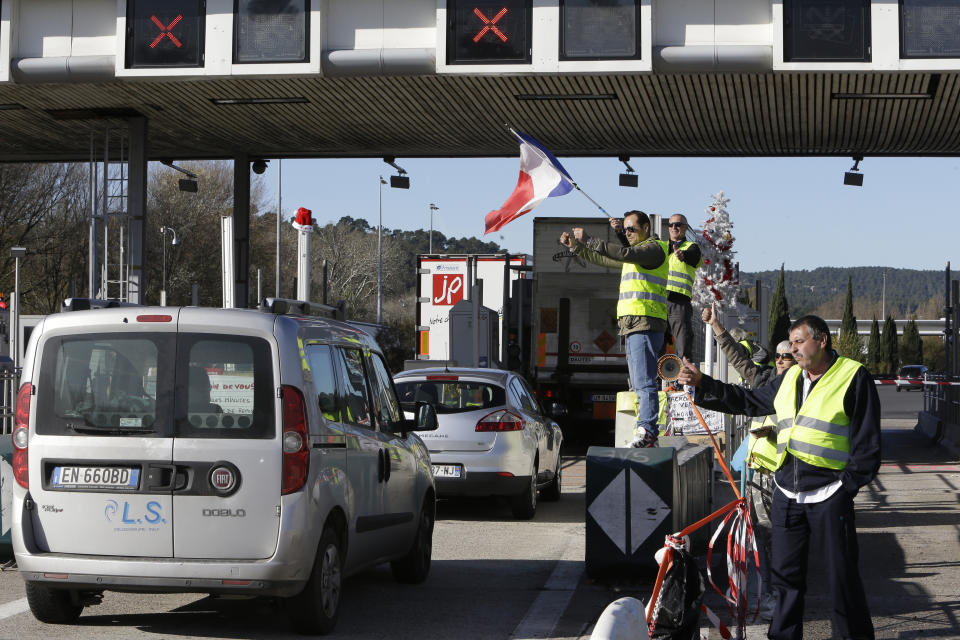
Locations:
{"points": [[791, 210]]}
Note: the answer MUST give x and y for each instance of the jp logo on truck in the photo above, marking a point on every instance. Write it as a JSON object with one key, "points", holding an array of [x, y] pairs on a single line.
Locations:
{"points": [[450, 288]]}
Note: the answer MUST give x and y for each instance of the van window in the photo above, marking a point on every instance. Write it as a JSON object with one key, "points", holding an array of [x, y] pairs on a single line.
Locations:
{"points": [[354, 385], [384, 399], [99, 383], [320, 360], [225, 387]]}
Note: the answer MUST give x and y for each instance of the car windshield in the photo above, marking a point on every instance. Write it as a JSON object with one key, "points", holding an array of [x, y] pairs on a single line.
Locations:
{"points": [[450, 396], [912, 372]]}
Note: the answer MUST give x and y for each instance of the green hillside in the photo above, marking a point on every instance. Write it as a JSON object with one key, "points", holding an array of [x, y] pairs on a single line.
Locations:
{"points": [[821, 291]]}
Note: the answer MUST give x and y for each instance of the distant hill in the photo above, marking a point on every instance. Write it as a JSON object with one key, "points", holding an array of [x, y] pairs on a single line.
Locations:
{"points": [[822, 290]]}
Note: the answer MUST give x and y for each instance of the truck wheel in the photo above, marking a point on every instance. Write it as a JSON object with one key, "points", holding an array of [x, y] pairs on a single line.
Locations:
{"points": [[314, 610], [551, 493], [414, 567], [524, 505], [53, 606]]}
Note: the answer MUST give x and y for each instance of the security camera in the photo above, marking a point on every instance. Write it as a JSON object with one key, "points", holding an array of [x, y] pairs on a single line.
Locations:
{"points": [[259, 166]]}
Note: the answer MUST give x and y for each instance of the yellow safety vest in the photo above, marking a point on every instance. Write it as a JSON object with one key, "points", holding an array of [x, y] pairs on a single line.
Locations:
{"points": [[762, 452], [819, 433], [681, 276], [643, 292]]}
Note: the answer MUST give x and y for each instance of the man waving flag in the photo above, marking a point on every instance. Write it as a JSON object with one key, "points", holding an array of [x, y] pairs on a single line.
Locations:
{"points": [[541, 176]]}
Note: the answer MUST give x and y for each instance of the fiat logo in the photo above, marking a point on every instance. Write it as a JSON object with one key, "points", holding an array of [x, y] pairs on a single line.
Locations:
{"points": [[223, 479]]}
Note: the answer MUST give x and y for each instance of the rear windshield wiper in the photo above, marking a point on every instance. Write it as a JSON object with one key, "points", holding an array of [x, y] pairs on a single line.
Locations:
{"points": [[89, 429]]}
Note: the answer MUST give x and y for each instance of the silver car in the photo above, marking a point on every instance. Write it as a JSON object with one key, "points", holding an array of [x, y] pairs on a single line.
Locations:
{"points": [[227, 451], [494, 438]]}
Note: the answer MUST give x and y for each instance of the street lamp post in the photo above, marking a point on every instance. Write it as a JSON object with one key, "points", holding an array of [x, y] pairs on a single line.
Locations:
{"points": [[163, 241], [17, 253], [433, 208], [380, 255]]}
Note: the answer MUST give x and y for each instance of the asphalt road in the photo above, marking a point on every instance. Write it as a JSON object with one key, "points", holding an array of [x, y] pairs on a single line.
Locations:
{"points": [[492, 577]]}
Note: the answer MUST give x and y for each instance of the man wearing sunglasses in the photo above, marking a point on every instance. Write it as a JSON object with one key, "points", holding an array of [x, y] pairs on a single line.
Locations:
{"points": [[828, 447], [641, 308], [685, 259]]}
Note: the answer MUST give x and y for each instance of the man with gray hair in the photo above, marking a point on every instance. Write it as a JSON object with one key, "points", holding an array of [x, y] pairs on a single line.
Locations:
{"points": [[828, 447]]}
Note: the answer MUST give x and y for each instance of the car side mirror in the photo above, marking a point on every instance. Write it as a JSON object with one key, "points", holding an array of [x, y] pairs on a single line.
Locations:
{"points": [[557, 410], [426, 417]]}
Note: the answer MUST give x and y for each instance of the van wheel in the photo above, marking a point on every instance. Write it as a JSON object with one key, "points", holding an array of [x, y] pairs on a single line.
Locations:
{"points": [[414, 567], [524, 505], [551, 493], [314, 610], [53, 606]]}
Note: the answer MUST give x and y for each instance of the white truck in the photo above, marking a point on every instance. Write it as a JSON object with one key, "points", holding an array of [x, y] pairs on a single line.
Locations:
{"points": [[576, 355], [442, 282]]}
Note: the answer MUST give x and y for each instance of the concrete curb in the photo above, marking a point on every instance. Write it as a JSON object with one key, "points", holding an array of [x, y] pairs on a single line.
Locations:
{"points": [[621, 620]]}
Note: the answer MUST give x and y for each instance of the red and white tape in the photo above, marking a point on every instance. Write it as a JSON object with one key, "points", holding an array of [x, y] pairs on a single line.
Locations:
{"points": [[906, 383]]}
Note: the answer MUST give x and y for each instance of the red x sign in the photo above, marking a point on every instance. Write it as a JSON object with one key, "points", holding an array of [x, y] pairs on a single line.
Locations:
{"points": [[165, 31], [490, 25]]}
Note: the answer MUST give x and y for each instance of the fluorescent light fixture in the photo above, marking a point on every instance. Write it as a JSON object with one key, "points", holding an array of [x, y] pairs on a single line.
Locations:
{"points": [[881, 96], [280, 100], [565, 96]]}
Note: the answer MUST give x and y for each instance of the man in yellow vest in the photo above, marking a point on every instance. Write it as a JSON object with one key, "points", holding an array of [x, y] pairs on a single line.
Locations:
{"points": [[641, 308], [684, 260], [828, 446]]}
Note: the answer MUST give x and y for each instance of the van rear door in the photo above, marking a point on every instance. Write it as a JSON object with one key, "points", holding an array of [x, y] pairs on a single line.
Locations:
{"points": [[226, 450], [101, 451]]}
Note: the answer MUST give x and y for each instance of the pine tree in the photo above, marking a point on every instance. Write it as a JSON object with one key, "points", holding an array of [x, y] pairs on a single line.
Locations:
{"points": [[889, 347], [911, 349], [873, 349], [779, 315], [849, 344]]}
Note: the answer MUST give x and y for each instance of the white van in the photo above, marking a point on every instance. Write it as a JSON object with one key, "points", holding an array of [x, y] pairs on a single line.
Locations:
{"points": [[186, 449]]}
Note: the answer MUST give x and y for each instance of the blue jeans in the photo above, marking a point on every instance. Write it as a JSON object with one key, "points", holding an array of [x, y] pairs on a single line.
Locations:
{"points": [[643, 347]]}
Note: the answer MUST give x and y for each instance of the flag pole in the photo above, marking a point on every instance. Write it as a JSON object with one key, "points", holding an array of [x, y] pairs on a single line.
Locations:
{"points": [[575, 185]]}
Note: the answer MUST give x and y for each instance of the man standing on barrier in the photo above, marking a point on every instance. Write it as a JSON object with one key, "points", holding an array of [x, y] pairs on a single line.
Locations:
{"points": [[641, 308], [685, 258], [828, 447]]}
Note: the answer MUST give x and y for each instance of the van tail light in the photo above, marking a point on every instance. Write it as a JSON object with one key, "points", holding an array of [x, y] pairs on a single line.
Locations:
{"points": [[296, 448], [500, 421], [21, 436]]}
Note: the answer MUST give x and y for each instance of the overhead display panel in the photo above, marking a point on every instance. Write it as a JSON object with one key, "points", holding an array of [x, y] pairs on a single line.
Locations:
{"points": [[599, 29], [489, 32], [826, 31], [165, 33], [930, 29], [271, 31]]}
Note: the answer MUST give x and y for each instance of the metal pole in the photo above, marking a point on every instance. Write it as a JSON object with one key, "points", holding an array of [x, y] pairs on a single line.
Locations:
{"points": [[380, 254], [279, 216], [92, 254], [16, 313], [433, 208], [163, 289]]}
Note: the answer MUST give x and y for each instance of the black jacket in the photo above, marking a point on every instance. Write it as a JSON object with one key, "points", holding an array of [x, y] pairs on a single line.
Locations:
{"points": [[861, 403]]}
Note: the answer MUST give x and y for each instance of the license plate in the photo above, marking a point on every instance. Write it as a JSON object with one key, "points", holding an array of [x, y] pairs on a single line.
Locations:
{"points": [[95, 478], [604, 397], [447, 471]]}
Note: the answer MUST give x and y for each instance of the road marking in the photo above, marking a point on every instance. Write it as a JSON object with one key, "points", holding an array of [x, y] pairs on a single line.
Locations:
{"points": [[11, 609], [544, 614]]}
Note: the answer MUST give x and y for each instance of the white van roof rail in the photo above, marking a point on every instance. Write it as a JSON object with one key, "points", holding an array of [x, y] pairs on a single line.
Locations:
{"points": [[84, 304], [286, 306]]}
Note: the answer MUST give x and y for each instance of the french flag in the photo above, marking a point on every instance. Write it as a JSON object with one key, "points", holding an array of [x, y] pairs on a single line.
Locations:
{"points": [[541, 176]]}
